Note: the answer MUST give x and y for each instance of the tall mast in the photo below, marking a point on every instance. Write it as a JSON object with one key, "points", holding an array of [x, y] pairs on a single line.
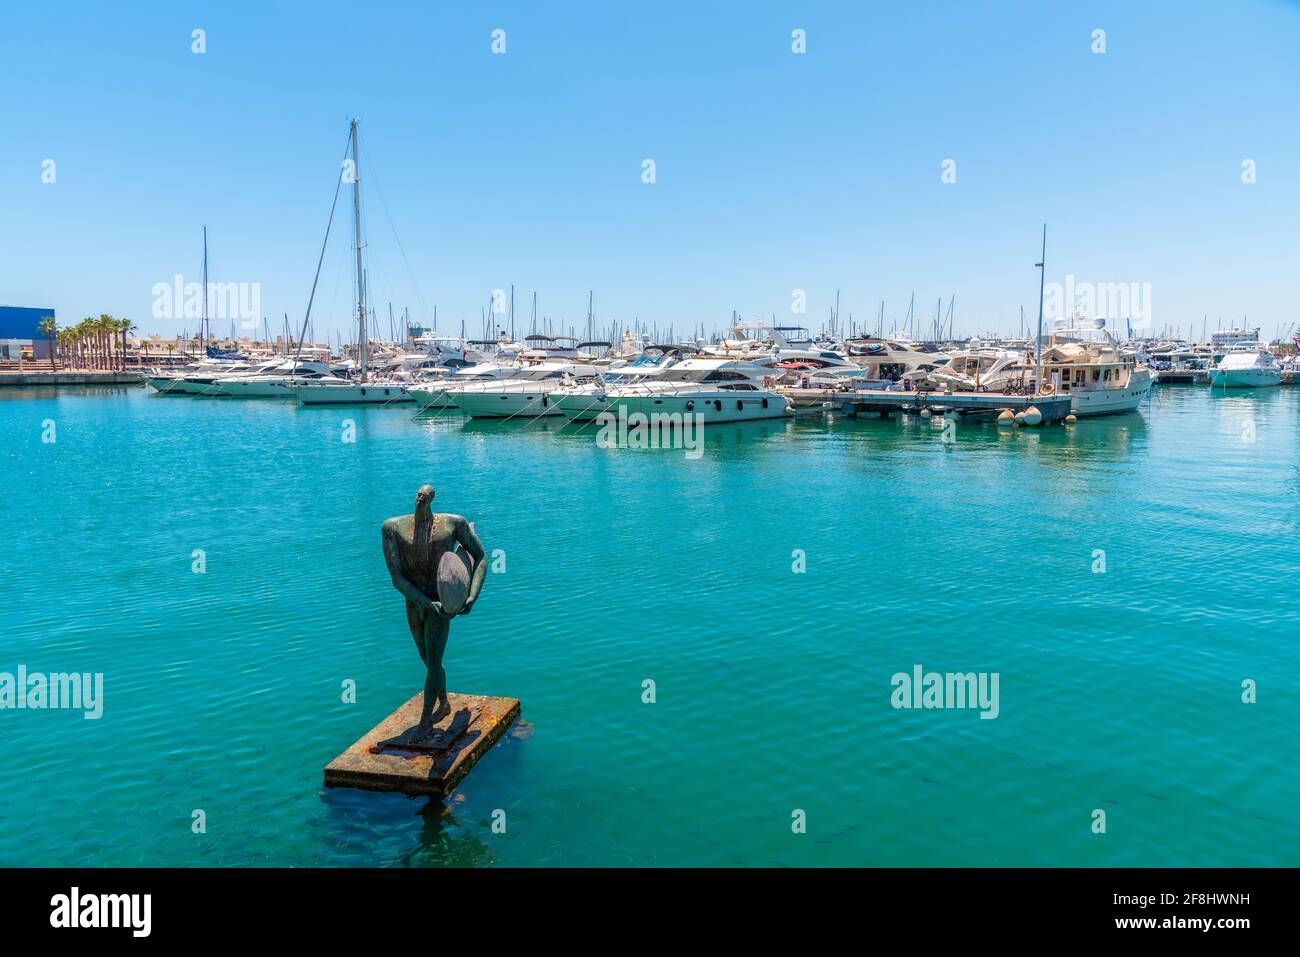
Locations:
{"points": [[1038, 346], [205, 325], [363, 341]]}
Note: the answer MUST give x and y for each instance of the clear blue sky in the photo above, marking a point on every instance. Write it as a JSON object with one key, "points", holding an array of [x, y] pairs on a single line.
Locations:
{"points": [[775, 171]]}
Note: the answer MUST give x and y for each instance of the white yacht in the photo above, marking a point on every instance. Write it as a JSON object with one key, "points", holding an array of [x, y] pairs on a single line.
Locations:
{"points": [[450, 352], [335, 390], [1246, 366], [983, 369], [893, 358], [526, 395], [195, 377], [718, 388], [436, 393], [584, 401], [1098, 376], [273, 380]]}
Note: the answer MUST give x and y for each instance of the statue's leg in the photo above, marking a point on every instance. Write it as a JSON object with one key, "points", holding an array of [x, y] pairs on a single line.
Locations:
{"points": [[415, 621], [436, 630]]}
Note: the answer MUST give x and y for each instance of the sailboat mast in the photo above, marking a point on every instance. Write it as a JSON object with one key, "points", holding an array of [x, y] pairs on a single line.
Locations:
{"points": [[363, 340], [205, 325], [1038, 346]]}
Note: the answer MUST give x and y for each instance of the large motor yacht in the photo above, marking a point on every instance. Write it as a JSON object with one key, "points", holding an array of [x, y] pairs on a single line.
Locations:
{"points": [[526, 394], [1246, 366], [274, 380], [1092, 369], [197, 377], [435, 393], [718, 388], [584, 401], [894, 357]]}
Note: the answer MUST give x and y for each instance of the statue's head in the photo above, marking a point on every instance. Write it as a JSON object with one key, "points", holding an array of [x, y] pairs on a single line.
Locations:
{"points": [[422, 500]]}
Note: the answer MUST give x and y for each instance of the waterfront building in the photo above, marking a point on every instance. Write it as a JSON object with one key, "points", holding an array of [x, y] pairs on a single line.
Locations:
{"points": [[20, 333]]}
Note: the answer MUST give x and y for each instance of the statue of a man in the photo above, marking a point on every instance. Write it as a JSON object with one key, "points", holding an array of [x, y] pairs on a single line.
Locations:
{"points": [[413, 546]]}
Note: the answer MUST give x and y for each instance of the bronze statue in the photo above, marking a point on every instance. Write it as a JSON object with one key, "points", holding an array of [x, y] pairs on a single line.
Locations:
{"points": [[415, 548]]}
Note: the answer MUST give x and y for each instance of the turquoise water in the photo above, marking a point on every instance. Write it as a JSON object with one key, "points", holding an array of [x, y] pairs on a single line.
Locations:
{"points": [[1119, 691]]}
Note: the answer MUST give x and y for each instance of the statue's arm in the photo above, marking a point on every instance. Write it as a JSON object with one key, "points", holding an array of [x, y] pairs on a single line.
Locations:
{"points": [[468, 539], [393, 558]]}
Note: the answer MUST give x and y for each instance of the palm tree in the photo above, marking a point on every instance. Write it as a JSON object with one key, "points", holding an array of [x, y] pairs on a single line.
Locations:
{"points": [[67, 338], [129, 329], [85, 343], [107, 327], [49, 328]]}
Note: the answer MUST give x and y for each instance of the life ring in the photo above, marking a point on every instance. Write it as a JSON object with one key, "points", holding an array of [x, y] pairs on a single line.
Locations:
{"points": [[1046, 389]]}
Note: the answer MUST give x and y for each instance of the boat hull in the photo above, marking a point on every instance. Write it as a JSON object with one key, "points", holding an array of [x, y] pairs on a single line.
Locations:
{"points": [[715, 407], [578, 407], [1245, 378], [352, 394], [431, 400], [256, 390], [1113, 401], [205, 387], [165, 385], [502, 405]]}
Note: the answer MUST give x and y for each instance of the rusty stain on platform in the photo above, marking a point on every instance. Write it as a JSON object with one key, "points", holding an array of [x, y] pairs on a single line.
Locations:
{"points": [[386, 759]]}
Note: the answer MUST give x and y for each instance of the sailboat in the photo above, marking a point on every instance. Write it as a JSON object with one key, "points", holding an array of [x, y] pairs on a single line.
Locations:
{"points": [[334, 390], [197, 377]]}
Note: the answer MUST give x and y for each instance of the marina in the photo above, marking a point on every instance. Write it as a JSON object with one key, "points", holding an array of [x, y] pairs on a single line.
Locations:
{"points": [[674, 438]]}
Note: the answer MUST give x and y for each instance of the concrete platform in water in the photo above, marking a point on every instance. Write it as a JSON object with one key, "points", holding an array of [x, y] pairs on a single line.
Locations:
{"points": [[29, 378], [884, 402], [386, 759]]}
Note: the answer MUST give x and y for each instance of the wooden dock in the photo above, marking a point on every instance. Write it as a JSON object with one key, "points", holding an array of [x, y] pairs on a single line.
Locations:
{"points": [[387, 759], [885, 402]]}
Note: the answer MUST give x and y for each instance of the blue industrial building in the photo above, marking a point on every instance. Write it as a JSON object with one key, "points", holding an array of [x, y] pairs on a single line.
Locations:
{"points": [[20, 333]]}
